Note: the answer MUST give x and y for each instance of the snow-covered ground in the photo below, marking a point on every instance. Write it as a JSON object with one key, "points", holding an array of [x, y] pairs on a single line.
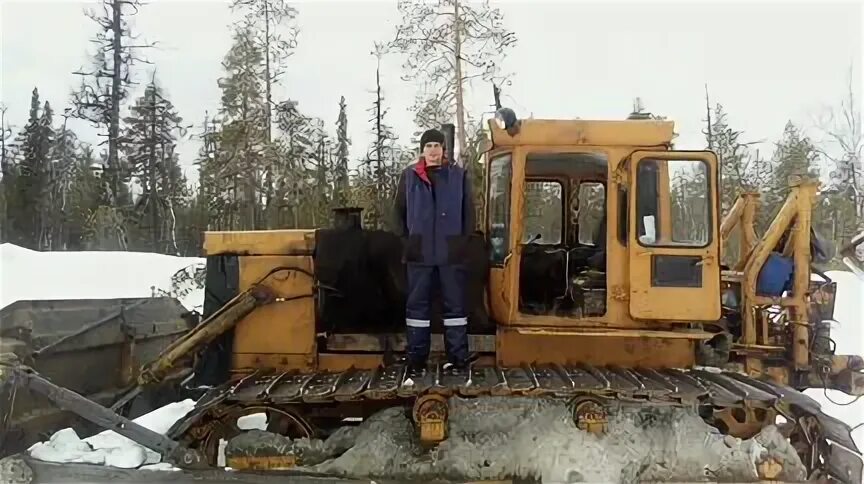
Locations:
{"points": [[31, 275], [848, 333], [127, 274]]}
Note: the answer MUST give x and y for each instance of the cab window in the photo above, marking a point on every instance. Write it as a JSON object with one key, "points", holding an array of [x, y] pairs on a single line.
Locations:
{"points": [[544, 211], [673, 206], [498, 203]]}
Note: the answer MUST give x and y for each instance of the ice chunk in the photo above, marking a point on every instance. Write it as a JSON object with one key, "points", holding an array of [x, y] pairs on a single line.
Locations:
{"points": [[108, 447], [256, 421], [65, 446]]}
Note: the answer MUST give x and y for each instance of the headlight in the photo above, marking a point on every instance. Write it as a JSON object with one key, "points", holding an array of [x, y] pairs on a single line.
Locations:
{"points": [[505, 118]]}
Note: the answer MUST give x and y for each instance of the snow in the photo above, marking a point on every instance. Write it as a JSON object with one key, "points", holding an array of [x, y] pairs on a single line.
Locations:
{"points": [[848, 333], [110, 448], [90, 275]]}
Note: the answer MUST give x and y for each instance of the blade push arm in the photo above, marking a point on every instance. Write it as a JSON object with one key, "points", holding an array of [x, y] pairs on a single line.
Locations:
{"points": [[70, 401]]}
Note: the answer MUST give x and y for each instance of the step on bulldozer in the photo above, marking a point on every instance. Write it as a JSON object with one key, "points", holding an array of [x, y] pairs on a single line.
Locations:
{"points": [[597, 276]]}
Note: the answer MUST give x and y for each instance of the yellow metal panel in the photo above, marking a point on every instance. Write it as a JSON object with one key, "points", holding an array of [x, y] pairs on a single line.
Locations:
{"points": [[551, 132], [244, 363], [502, 288], [623, 333], [342, 362], [674, 303], [515, 349], [270, 462], [499, 299], [286, 327], [260, 242]]}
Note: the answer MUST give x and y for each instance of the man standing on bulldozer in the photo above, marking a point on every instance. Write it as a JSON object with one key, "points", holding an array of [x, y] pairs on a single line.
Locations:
{"points": [[435, 217]]}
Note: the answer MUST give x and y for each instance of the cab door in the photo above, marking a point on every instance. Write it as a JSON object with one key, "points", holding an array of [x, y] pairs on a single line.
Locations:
{"points": [[504, 182], [674, 247]]}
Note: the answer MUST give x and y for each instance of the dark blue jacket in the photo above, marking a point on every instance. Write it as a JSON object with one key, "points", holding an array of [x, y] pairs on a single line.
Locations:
{"points": [[436, 213]]}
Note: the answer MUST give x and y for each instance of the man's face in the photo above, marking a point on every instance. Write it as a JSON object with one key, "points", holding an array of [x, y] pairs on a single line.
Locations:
{"points": [[432, 151]]}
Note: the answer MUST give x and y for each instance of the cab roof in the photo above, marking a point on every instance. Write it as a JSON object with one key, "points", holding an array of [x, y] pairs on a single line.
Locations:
{"points": [[567, 132]]}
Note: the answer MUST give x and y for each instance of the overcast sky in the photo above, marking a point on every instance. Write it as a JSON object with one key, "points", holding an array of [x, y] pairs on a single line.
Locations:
{"points": [[765, 62]]}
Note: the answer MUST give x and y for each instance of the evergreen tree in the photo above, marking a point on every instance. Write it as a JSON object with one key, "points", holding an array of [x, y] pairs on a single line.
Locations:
{"points": [[149, 143], [295, 177], [243, 143], [29, 208], [64, 157], [85, 196], [214, 197], [264, 19], [794, 154], [6, 176]]}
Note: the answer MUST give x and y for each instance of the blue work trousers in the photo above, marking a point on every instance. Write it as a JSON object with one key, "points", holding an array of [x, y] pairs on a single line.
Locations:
{"points": [[421, 280]]}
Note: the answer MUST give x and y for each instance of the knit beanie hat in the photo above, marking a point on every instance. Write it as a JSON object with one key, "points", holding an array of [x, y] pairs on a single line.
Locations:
{"points": [[431, 135]]}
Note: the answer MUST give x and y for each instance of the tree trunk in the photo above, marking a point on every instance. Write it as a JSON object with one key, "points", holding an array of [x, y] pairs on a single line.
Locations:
{"points": [[152, 196], [114, 127], [268, 170], [379, 150], [460, 102], [267, 77]]}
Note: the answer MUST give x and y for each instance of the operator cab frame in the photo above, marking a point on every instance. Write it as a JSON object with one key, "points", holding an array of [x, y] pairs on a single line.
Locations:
{"points": [[544, 269]]}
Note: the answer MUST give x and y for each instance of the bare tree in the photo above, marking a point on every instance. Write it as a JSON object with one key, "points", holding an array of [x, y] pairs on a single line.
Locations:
{"points": [[105, 85], [340, 191], [380, 155], [449, 43], [843, 146]]}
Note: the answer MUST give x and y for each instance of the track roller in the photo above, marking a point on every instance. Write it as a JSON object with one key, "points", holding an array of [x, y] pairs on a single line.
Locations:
{"points": [[430, 415], [590, 415]]}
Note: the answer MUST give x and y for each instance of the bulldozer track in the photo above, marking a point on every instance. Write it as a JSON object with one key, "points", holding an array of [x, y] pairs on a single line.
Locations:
{"points": [[694, 387]]}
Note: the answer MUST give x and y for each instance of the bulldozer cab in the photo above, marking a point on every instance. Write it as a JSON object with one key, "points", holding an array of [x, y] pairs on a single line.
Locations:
{"points": [[599, 223]]}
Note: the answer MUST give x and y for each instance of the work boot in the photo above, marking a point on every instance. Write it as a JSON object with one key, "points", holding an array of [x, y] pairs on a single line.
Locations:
{"points": [[415, 370], [456, 368]]}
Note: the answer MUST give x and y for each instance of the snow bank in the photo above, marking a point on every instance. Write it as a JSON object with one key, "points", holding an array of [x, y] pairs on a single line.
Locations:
{"points": [[90, 275], [531, 438], [110, 448], [848, 333]]}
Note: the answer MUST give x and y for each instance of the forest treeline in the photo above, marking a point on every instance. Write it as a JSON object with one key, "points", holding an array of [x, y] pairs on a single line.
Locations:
{"points": [[264, 164]]}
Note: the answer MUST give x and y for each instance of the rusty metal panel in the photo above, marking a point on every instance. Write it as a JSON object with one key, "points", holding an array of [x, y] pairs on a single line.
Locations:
{"points": [[260, 242], [89, 346]]}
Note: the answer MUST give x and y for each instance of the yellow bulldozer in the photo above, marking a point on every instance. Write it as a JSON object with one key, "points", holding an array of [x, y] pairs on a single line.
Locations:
{"points": [[597, 277]]}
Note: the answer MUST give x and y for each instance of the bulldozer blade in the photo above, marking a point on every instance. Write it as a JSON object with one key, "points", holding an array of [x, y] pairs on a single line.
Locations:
{"points": [[171, 451]]}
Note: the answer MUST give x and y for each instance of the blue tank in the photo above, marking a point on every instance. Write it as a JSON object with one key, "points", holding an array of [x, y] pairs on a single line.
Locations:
{"points": [[775, 276]]}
